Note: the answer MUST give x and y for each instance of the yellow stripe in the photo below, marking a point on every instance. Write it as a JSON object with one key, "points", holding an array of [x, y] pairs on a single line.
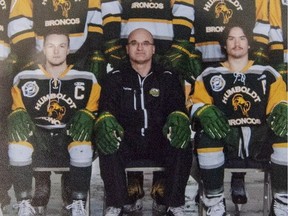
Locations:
{"points": [[105, 115], [280, 145], [181, 113], [95, 29], [23, 37], [208, 43], [182, 22], [277, 47], [78, 143], [22, 143], [148, 20], [111, 19], [261, 39], [210, 150]]}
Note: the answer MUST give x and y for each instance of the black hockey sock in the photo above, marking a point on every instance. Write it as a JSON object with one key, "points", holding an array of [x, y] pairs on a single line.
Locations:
{"points": [[22, 181]]}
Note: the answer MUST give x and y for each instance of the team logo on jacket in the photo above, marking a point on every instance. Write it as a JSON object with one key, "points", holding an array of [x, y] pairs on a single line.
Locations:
{"points": [[217, 83], [30, 89], [238, 101], [154, 92], [65, 5], [55, 110], [222, 9]]}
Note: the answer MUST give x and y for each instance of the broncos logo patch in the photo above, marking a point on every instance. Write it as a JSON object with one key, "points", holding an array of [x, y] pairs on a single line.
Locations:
{"points": [[221, 8], [55, 110], [239, 101], [65, 5]]}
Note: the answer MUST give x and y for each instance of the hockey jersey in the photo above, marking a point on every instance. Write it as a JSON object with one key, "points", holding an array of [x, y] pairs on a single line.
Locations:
{"points": [[30, 19], [279, 31], [166, 20], [245, 97], [4, 41], [52, 102], [211, 17]]}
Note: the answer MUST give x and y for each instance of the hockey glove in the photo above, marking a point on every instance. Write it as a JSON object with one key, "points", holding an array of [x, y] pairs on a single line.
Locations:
{"points": [[115, 53], [213, 121], [277, 119], [8, 66], [177, 129], [184, 59], [260, 56], [283, 69], [97, 65], [20, 125], [108, 133], [80, 126]]}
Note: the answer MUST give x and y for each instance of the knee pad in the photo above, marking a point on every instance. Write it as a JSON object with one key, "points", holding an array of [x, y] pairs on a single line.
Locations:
{"points": [[210, 159], [81, 153], [20, 153]]}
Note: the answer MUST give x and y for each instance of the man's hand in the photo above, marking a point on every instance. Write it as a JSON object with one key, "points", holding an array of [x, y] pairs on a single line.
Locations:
{"points": [[108, 133], [277, 119], [213, 121], [115, 53], [177, 129], [97, 65], [80, 126], [20, 125], [184, 59]]}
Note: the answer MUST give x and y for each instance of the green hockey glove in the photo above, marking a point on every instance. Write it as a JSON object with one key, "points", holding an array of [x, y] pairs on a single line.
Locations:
{"points": [[29, 61], [277, 119], [20, 125], [184, 59], [115, 53], [213, 121], [8, 66], [97, 65], [283, 69], [177, 129], [80, 126], [108, 133], [260, 56]]}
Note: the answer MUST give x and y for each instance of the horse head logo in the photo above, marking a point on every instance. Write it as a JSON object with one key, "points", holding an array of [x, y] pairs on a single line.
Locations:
{"points": [[56, 110], [65, 5], [239, 101], [221, 8]]}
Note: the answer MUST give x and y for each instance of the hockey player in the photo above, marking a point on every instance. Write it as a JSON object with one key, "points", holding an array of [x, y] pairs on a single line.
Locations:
{"points": [[211, 18], [278, 55], [139, 103], [29, 21], [6, 77], [242, 109], [52, 117]]}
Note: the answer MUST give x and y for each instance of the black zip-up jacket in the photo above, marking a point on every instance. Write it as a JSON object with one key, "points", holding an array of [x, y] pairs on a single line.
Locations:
{"points": [[142, 104]]}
